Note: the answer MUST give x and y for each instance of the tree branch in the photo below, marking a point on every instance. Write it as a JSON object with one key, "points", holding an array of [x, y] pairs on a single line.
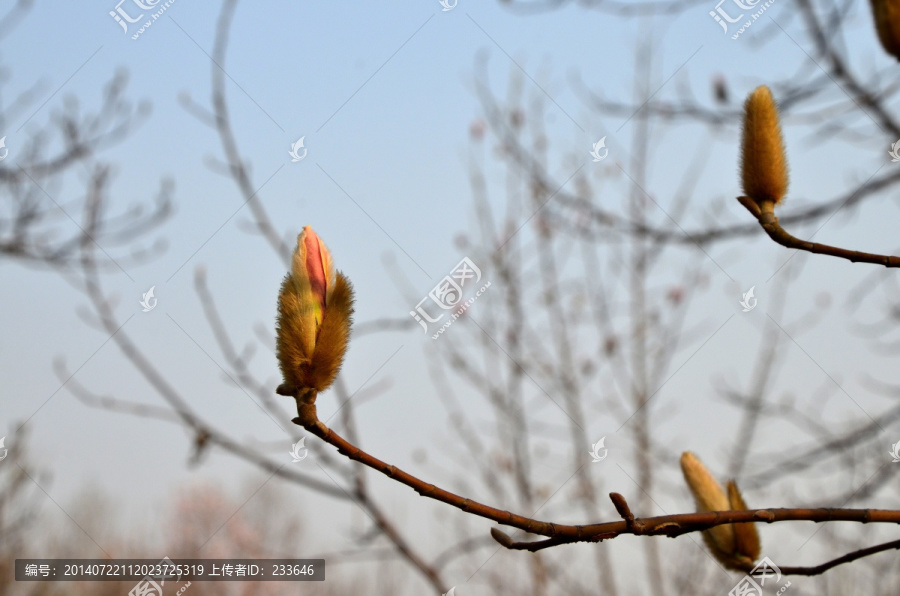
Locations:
{"points": [[557, 534], [848, 558], [773, 228]]}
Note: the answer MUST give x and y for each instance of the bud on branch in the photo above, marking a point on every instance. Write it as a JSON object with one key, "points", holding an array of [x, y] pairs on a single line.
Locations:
{"points": [[315, 308], [763, 163], [736, 546]]}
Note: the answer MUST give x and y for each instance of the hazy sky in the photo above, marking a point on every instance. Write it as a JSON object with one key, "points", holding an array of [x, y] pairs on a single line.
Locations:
{"points": [[384, 96]]}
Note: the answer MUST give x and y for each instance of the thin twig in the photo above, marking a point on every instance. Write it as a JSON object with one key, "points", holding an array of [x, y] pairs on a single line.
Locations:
{"points": [[773, 228], [663, 525], [848, 558]]}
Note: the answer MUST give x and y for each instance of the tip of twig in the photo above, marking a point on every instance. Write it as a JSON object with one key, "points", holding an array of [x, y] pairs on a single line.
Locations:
{"points": [[751, 206], [502, 538], [622, 507]]}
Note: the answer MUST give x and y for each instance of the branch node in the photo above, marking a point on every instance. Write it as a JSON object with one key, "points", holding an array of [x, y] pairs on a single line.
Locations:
{"points": [[502, 538], [670, 529], [624, 510], [751, 205], [306, 407]]}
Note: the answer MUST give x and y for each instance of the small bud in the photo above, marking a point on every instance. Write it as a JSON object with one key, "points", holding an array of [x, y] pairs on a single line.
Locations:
{"points": [[720, 88], [736, 546], [502, 538], [315, 308], [764, 170], [887, 24]]}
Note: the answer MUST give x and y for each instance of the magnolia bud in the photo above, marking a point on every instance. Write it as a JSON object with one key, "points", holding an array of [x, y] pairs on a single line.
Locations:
{"points": [[315, 308], [764, 170], [736, 546]]}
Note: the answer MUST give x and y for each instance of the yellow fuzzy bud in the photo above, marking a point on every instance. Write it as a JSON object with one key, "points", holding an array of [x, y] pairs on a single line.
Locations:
{"points": [[315, 308], [709, 496], [764, 170], [736, 546], [887, 24]]}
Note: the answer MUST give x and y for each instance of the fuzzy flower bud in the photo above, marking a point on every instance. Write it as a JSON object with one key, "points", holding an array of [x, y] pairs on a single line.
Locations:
{"points": [[764, 170], [315, 308], [736, 546]]}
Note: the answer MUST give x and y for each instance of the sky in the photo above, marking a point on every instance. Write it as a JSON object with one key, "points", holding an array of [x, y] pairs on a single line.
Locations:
{"points": [[383, 97]]}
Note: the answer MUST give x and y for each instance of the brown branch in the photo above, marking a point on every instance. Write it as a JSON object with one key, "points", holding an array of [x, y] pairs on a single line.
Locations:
{"points": [[388, 528], [307, 418], [773, 228], [557, 534], [848, 558]]}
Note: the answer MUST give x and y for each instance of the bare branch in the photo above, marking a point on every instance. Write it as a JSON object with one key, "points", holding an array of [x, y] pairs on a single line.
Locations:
{"points": [[664, 525], [773, 228]]}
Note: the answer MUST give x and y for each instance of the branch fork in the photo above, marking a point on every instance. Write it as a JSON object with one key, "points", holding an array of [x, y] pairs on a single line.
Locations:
{"points": [[558, 534]]}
